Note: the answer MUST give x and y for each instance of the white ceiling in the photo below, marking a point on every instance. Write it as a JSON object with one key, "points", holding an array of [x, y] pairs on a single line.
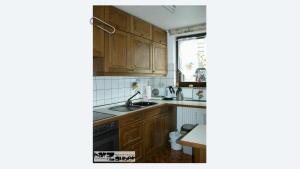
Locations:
{"points": [[159, 16]]}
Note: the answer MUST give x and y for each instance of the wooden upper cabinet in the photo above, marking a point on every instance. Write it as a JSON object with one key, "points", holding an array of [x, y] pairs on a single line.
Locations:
{"points": [[141, 28], [117, 18], [159, 35], [135, 48], [141, 55], [98, 34], [117, 51], [160, 60]]}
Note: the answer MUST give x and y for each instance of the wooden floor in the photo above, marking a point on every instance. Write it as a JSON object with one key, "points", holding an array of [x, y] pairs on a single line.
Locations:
{"points": [[167, 155]]}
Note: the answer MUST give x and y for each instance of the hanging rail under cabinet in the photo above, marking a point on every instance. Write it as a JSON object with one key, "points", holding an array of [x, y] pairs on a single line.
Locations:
{"points": [[110, 32]]}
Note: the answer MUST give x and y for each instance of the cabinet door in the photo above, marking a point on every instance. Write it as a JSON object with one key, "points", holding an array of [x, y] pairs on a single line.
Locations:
{"points": [[138, 149], [141, 55], [117, 51], [165, 128], [98, 42], [117, 18], [159, 35], [141, 28], [152, 137], [98, 34], [159, 59], [131, 134]]}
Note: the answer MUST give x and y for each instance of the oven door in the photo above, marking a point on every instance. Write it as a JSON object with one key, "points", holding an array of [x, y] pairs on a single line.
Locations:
{"points": [[106, 140]]}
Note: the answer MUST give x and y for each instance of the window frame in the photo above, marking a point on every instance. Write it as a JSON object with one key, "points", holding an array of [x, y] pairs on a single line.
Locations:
{"points": [[178, 80]]}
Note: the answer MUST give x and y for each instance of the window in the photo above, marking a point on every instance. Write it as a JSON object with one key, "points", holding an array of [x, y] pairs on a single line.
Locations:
{"points": [[191, 60]]}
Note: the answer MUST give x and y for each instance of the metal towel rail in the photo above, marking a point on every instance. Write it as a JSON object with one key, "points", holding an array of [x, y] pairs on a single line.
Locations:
{"points": [[110, 32]]}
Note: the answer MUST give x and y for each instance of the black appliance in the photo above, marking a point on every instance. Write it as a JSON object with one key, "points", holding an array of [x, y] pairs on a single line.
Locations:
{"points": [[101, 116], [106, 137]]}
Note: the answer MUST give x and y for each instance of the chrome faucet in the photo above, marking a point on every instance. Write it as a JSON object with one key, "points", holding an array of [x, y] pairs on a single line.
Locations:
{"points": [[129, 102]]}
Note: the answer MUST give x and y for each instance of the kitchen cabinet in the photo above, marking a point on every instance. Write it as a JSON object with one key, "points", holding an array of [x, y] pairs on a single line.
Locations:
{"points": [[130, 50], [141, 28], [152, 134], [117, 18], [145, 131], [166, 128], [160, 59], [98, 34], [98, 41], [159, 35], [138, 149], [157, 125], [117, 51], [131, 134], [141, 55]]}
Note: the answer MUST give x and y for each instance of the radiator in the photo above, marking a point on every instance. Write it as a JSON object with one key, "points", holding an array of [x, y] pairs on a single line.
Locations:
{"points": [[186, 115]]}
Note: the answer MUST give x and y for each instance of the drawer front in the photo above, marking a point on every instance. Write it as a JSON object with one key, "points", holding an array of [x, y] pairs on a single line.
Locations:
{"points": [[151, 113], [131, 134], [138, 148], [131, 119]]}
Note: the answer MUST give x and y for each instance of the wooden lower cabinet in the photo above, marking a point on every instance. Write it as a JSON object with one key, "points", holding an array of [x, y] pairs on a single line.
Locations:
{"points": [[138, 148], [166, 128], [152, 134], [131, 134], [145, 132]]}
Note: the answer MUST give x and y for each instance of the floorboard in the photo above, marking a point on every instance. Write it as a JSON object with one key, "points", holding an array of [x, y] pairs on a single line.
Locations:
{"points": [[167, 155]]}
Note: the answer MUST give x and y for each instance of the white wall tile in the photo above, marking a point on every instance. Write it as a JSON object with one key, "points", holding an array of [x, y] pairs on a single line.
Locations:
{"points": [[100, 94], [127, 92], [94, 95], [107, 94], [100, 84], [127, 83], [114, 93], [170, 82], [115, 83], [107, 101], [121, 92], [100, 102], [121, 83], [187, 92], [107, 84], [115, 100]]}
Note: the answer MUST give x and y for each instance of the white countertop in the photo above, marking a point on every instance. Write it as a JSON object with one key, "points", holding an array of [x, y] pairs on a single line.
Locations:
{"points": [[196, 136], [105, 109]]}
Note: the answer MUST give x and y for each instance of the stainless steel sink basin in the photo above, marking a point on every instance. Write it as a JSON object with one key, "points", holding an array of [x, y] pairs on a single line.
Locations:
{"points": [[133, 107], [124, 108], [144, 103]]}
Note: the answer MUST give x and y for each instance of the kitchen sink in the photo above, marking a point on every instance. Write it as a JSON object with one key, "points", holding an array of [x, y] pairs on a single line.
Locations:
{"points": [[124, 108], [144, 103], [133, 107]]}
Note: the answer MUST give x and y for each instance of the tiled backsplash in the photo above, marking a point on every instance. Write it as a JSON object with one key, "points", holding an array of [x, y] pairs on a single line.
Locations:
{"points": [[113, 89]]}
